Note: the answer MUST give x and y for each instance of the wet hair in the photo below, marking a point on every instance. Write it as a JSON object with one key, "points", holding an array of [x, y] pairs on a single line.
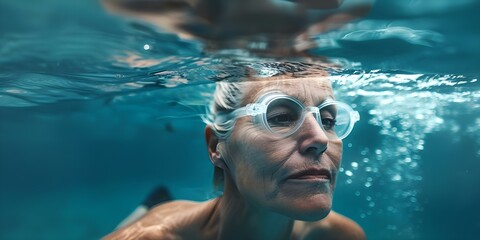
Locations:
{"points": [[229, 95]]}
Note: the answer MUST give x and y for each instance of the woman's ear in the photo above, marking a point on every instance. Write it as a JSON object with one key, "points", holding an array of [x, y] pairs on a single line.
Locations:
{"points": [[213, 148]]}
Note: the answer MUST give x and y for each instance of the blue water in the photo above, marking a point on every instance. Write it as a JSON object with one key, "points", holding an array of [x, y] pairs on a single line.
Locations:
{"points": [[97, 109]]}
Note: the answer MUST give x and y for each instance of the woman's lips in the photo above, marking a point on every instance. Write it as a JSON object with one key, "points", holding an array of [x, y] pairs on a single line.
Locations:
{"points": [[311, 175]]}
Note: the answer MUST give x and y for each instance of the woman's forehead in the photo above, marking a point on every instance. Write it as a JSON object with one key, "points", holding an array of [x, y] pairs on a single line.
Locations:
{"points": [[308, 90]]}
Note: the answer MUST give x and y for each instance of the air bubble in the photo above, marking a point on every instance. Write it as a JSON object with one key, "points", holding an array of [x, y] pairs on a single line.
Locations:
{"points": [[392, 227], [402, 149], [354, 165], [397, 177]]}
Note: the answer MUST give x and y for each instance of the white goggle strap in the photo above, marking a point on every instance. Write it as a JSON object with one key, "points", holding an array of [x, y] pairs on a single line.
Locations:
{"points": [[225, 122]]}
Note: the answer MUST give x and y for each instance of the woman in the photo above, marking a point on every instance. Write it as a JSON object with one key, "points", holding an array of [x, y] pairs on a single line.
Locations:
{"points": [[276, 144]]}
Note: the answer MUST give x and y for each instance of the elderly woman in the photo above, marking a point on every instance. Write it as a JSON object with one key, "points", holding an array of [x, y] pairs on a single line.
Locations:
{"points": [[276, 144]]}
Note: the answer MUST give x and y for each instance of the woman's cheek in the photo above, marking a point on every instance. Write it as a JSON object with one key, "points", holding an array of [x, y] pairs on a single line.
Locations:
{"points": [[335, 152]]}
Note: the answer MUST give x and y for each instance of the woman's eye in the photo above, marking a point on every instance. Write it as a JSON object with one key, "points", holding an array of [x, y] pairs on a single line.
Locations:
{"points": [[328, 123], [283, 119]]}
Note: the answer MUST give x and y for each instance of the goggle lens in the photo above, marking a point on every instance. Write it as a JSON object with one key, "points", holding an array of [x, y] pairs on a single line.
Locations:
{"points": [[336, 120], [283, 116]]}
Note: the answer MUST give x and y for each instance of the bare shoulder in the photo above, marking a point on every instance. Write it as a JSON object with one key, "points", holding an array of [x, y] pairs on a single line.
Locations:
{"points": [[334, 226], [165, 221]]}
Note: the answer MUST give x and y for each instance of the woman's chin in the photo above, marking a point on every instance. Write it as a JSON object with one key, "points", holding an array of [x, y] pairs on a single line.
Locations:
{"points": [[313, 208], [310, 216]]}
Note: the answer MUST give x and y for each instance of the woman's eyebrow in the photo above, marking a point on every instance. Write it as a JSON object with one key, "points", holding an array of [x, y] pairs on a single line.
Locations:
{"points": [[329, 97], [303, 99]]}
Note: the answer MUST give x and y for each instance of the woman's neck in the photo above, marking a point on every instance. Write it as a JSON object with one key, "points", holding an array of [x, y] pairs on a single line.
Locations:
{"points": [[241, 220]]}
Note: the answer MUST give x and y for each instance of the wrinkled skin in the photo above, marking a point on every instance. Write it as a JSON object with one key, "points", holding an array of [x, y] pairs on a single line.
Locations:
{"points": [[260, 163]]}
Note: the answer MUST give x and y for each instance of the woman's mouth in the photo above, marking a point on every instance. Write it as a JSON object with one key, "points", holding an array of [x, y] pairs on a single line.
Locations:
{"points": [[317, 175]]}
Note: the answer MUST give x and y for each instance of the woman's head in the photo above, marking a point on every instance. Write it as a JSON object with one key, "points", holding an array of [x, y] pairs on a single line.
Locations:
{"points": [[292, 174], [230, 96]]}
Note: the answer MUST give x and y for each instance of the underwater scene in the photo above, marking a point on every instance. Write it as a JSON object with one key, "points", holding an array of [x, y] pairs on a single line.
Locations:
{"points": [[97, 108]]}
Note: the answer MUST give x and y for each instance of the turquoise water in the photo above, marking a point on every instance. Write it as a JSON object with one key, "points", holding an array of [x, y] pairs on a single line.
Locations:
{"points": [[96, 109]]}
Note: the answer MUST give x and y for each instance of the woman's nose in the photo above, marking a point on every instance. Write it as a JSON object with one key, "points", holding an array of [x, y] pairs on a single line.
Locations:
{"points": [[313, 138]]}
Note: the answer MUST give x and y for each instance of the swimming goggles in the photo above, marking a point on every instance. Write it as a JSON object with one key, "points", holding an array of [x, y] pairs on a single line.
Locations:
{"points": [[283, 115]]}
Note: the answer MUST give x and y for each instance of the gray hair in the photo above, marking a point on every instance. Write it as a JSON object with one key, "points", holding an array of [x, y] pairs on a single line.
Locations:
{"points": [[227, 97]]}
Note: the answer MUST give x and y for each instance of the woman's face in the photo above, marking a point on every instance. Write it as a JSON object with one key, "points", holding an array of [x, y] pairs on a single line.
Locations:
{"points": [[294, 176]]}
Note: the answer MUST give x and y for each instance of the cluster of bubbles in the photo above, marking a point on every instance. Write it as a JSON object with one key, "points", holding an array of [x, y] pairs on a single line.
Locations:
{"points": [[404, 108]]}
